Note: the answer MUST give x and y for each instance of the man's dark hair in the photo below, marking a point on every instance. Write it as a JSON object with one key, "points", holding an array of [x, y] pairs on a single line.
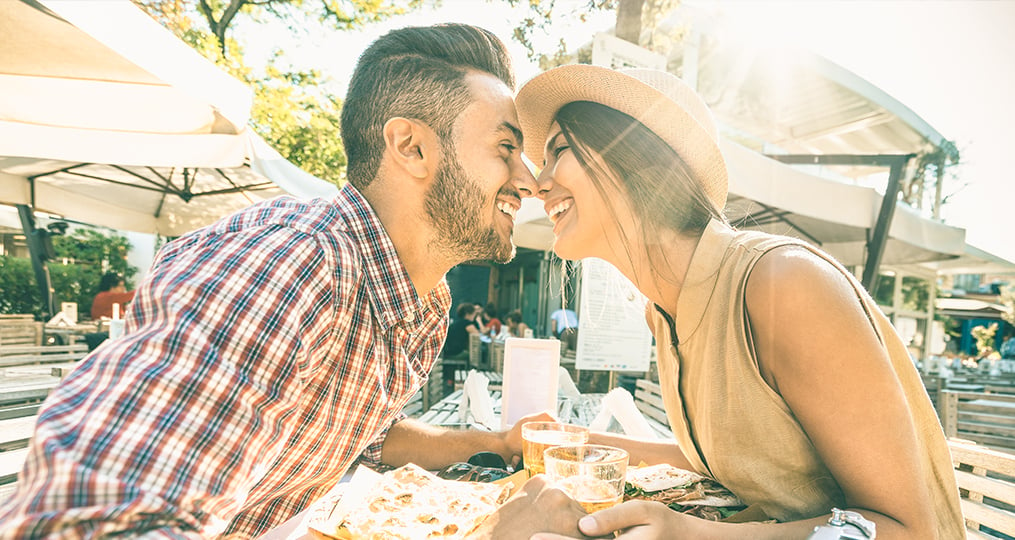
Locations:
{"points": [[418, 73], [464, 310]]}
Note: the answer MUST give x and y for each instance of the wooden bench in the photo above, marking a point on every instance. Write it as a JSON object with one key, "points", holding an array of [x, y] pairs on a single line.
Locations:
{"points": [[445, 412], [987, 419], [986, 480], [16, 432], [32, 355], [648, 398], [414, 407], [20, 330]]}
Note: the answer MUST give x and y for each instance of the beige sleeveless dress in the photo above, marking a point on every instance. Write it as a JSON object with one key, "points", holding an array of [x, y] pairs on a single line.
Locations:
{"points": [[733, 427]]}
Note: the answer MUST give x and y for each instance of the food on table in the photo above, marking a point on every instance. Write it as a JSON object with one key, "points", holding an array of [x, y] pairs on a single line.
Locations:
{"points": [[411, 503], [682, 490]]}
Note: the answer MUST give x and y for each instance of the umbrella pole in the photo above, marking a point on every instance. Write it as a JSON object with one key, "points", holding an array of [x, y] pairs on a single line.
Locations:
{"points": [[39, 250]]}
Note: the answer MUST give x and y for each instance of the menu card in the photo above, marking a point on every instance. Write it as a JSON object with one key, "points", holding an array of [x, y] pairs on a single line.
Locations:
{"points": [[612, 334], [530, 378]]}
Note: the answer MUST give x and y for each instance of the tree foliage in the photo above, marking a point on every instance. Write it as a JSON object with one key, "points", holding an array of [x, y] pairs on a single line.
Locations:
{"points": [[292, 109], [984, 336], [82, 257], [636, 22]]}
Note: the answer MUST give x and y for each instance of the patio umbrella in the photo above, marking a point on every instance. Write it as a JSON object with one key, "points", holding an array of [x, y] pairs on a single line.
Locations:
{"points": [[107, 118]]}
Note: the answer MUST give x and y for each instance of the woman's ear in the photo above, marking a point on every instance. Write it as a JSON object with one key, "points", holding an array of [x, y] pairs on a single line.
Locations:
{"points": [[411, 146]]}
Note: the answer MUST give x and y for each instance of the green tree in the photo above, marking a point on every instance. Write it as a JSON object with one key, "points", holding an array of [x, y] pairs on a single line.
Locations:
{"points": [[292, 110], [82, 257], [984, 336]]}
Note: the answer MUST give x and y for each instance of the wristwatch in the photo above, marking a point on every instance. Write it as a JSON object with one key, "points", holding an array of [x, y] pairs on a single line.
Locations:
{"points": [[845, 525]]}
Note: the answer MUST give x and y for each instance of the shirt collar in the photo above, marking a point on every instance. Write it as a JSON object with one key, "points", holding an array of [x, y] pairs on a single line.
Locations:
{"points": [[702, 274], [392, 294]]}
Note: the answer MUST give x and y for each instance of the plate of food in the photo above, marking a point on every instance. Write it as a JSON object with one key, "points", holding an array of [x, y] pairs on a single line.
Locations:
{"points": [[682, 490]]}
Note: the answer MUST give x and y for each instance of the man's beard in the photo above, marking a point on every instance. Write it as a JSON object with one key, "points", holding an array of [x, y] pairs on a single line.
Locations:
{"points": [[454, 205]]}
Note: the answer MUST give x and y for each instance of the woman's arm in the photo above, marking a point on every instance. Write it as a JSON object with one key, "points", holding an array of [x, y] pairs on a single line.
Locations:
{"points": [[818, 349], [644, 451]]}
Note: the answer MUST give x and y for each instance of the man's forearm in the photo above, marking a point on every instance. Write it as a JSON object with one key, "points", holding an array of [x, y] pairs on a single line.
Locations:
{"points": [[430, 447]]}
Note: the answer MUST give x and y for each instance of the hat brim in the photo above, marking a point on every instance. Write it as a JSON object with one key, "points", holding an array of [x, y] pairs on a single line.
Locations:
{"points": [[541, 97]]}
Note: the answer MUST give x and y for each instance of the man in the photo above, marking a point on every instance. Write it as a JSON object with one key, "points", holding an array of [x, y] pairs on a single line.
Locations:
{"points": [[564, 324], [265, 353]]}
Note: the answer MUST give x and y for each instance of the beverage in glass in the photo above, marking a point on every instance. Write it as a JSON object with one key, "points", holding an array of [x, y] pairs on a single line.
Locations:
{"points": [[538, 436], [591, 474]]}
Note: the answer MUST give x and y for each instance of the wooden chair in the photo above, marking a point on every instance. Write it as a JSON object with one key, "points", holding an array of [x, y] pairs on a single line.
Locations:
{"points": [[648, 397], [497, 356], [476, 360], [986, 480], [987, 419]]}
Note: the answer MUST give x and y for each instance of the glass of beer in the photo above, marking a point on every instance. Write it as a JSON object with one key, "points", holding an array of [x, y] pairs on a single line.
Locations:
{"points": [[538, 436], [591, 474]]}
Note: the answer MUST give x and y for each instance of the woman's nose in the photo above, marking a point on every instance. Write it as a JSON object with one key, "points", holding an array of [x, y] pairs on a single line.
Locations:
{"points": [[544, 182]]}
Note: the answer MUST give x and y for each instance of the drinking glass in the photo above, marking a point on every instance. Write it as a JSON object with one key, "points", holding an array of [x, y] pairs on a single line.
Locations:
{"points": [[591, 474], [538, 436]]}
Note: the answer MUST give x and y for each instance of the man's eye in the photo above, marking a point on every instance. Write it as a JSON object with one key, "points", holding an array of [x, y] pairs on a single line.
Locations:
{"points": [[509, 147]]}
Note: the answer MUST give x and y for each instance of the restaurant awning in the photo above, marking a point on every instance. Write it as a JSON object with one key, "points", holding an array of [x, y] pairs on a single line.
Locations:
{"points": [[107, 118]]}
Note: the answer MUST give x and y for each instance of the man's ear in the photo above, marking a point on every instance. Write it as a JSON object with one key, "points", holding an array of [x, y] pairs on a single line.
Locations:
{"points": [[411, 145]]}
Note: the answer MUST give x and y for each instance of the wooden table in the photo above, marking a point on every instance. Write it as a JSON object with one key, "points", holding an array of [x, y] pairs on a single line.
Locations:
{"points": [[445, 411]]}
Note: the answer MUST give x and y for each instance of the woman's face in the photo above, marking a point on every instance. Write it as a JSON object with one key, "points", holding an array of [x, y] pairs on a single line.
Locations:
{"points": [[584, 225]]}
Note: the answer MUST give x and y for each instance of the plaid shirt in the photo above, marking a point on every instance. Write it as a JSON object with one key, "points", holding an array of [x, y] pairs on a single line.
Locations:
{"points": [[263, 355]]}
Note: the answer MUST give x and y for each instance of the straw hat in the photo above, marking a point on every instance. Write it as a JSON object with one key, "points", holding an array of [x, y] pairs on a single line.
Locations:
{"points": [[659, 100]]}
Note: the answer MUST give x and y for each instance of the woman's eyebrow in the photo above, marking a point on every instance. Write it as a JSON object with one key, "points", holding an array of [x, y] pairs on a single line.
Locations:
{"points": [[553, 141]]}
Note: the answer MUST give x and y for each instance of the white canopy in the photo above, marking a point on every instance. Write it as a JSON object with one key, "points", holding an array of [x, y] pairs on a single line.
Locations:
{"points": [[106, 117]]}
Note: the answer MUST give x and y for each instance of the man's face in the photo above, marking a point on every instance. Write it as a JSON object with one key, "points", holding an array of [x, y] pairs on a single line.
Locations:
{"points": [[477, 190]]}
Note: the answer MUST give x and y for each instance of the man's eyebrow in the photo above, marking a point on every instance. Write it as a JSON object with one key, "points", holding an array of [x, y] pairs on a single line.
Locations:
{"points": [[509, 127]]}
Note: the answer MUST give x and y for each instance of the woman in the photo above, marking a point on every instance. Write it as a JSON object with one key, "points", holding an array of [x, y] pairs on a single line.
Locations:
{"points": [[111, 291], [513, 325], [781, 378]]}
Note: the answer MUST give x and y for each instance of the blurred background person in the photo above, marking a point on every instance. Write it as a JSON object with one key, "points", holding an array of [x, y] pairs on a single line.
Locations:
{"points": [[490, 320], [564, 324], [112, 290], [514, 326]]}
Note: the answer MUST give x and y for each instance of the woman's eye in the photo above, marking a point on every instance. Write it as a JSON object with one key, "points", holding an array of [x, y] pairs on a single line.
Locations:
{"points": [[557, 151]]}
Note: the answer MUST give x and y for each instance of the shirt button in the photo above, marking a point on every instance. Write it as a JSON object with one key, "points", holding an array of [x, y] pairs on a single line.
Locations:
{"points": [[410, 316]]}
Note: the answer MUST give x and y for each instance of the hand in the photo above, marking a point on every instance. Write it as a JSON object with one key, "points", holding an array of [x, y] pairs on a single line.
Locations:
{"points": [[537, 507], [639, 520], [513, 437]]}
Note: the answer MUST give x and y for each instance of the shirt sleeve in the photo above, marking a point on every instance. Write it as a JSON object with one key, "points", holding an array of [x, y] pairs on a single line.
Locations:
{"points": [[163, 432], [371, 457]]}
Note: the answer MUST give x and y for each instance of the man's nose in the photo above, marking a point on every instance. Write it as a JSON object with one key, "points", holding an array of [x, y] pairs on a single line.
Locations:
{"points": [[544, 182], [523, 179]]}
